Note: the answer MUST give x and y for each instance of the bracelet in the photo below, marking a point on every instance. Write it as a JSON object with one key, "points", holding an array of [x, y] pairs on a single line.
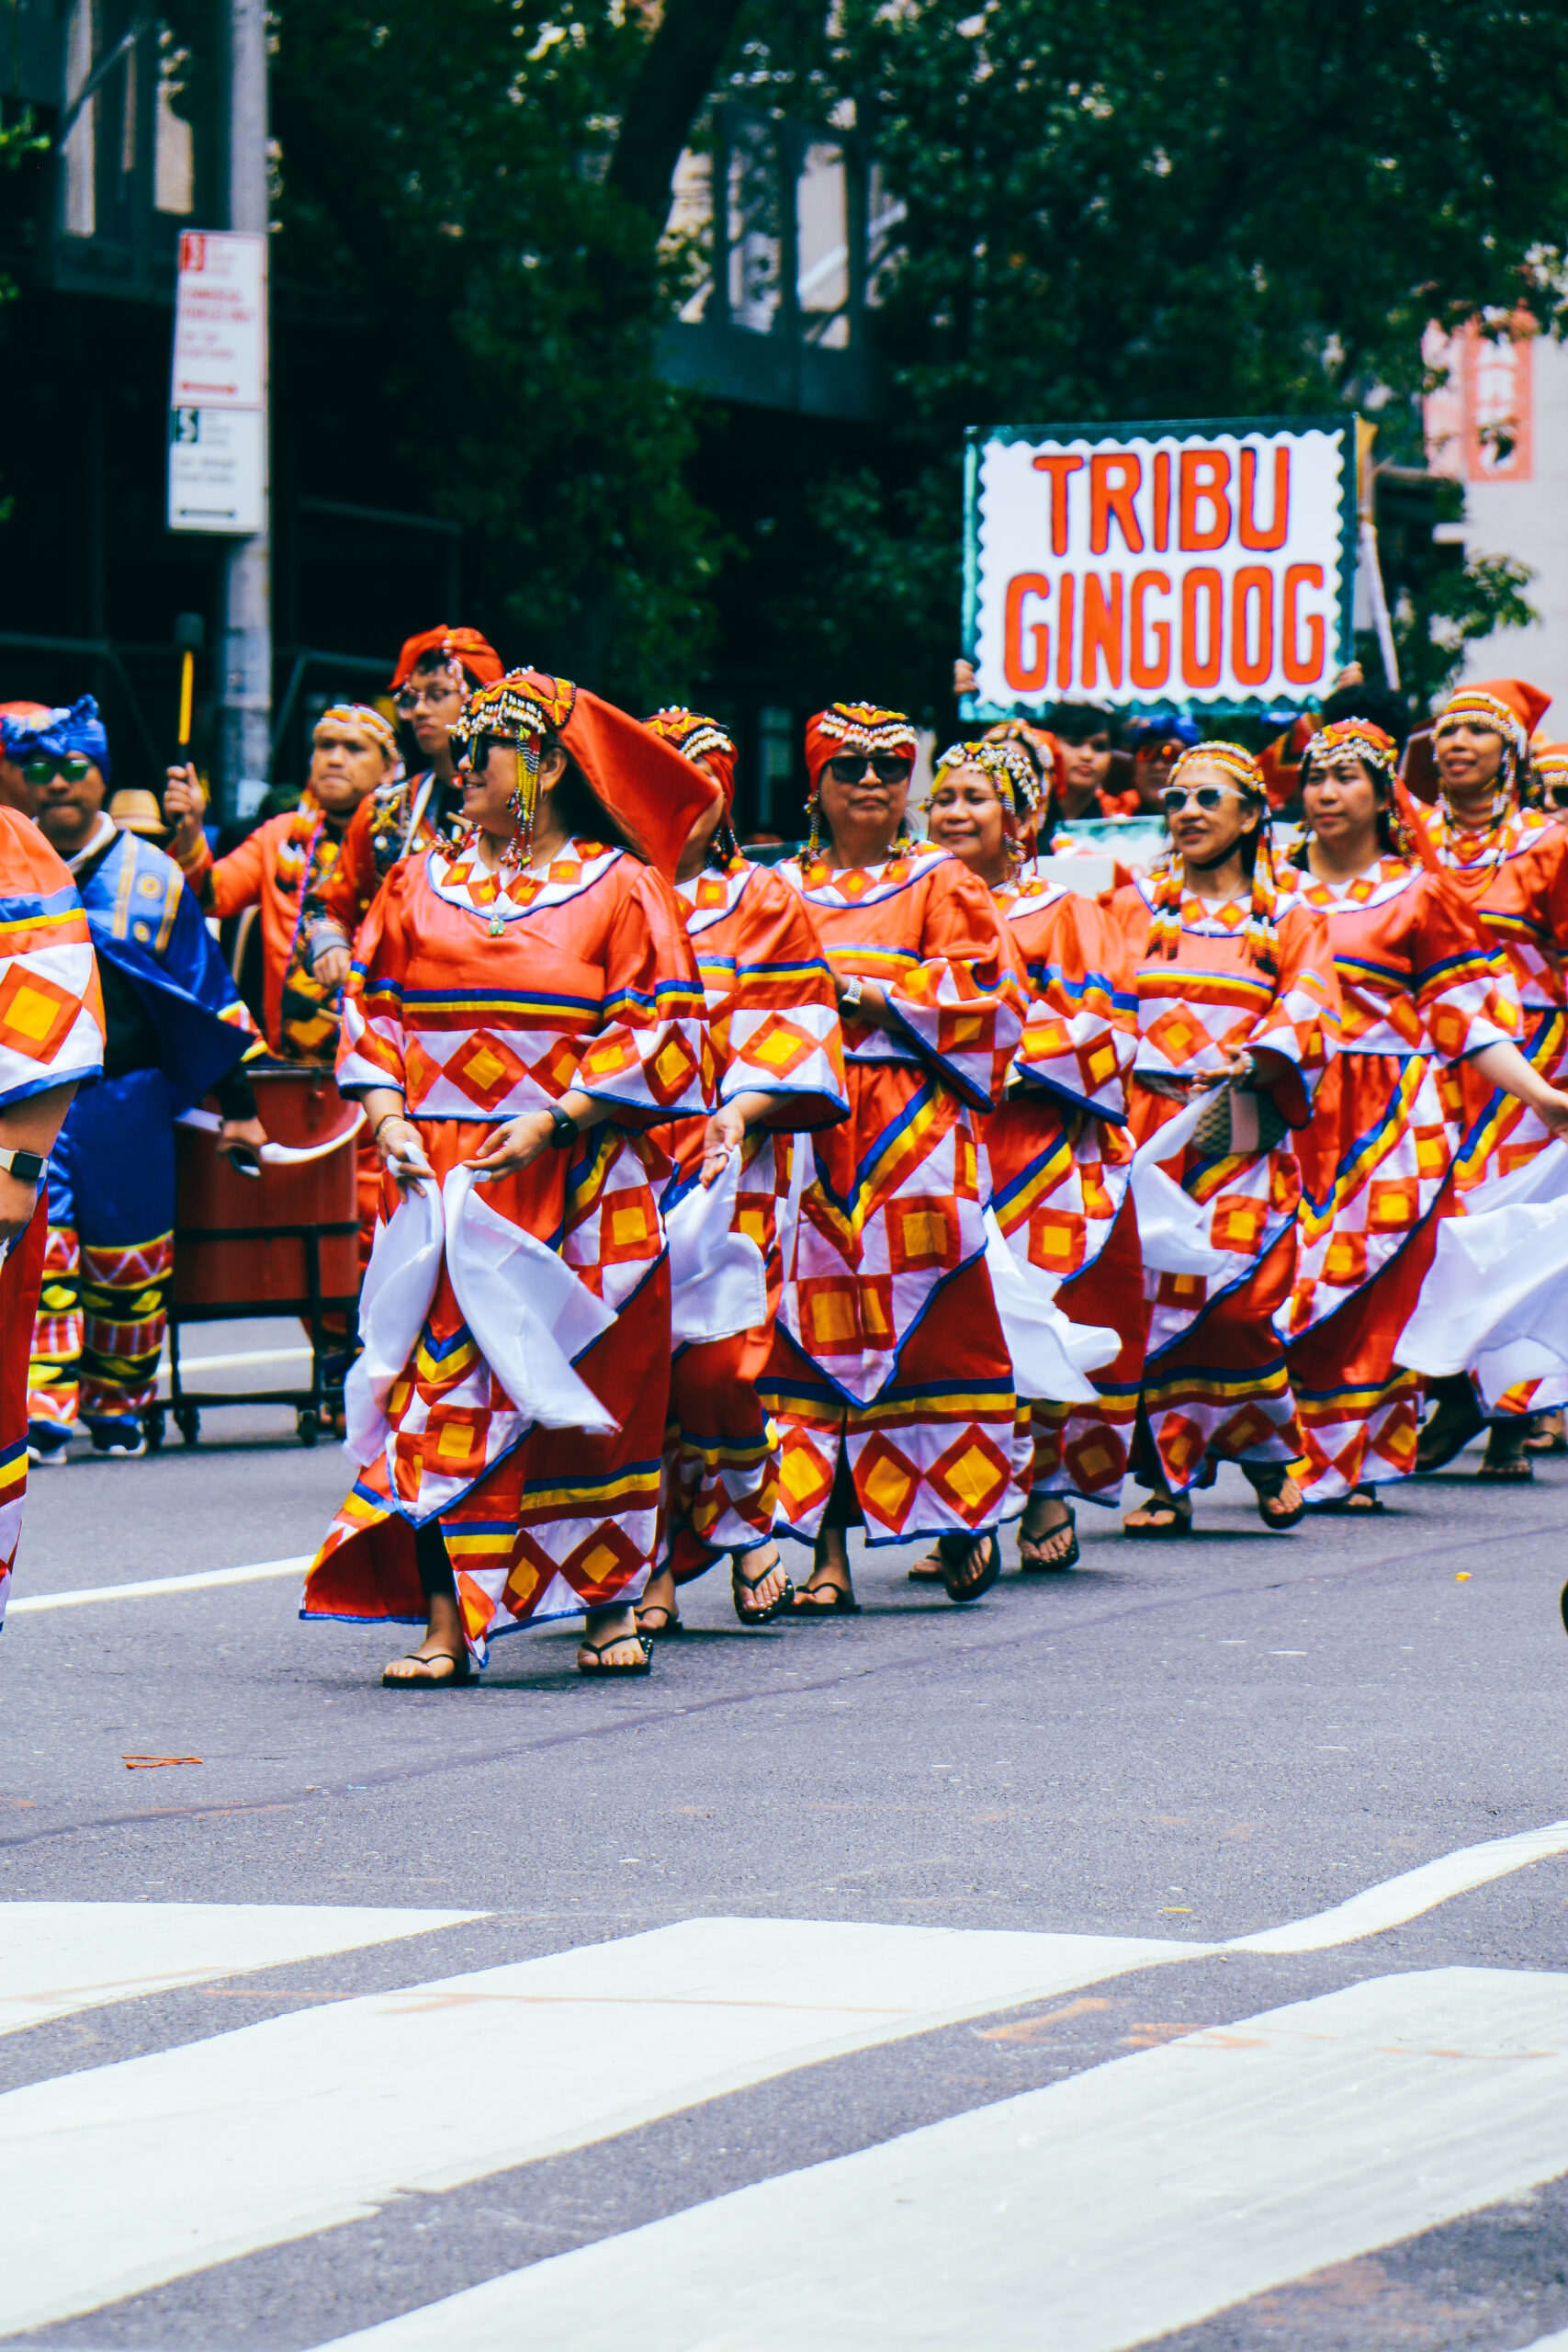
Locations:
{"points": [[381, 1122]]}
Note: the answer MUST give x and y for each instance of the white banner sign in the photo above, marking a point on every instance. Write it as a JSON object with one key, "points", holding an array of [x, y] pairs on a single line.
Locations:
{"points": [[1159, 564], [218, 392]]}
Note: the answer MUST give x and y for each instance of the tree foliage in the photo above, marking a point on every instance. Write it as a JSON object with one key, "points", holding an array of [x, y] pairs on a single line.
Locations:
{"points": [[443, 178], [1118, 210]]}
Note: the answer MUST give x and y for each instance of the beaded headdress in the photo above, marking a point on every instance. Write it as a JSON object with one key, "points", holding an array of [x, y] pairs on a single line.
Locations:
{"points": [[1361, 738], [1169, 876], [366, 719], [697, 738], [522, 708], [1017, 782]]}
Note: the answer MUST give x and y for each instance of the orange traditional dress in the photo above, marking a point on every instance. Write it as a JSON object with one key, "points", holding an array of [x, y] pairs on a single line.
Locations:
{"points": [[775, 1023], [889, 1369], [1216, 1385], [1060, 1158], [515, 1372], [52, 1033], [1420, 992]]}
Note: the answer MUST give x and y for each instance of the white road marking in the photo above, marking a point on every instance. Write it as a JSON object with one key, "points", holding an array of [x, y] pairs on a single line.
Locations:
{"points": [[153, 1585], [1134, 2198], [1406, 1897], [58, 1958], [1558, 2343], [123, 2176]]}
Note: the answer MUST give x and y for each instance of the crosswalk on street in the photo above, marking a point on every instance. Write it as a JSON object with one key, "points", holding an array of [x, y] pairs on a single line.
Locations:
{"points": [[1138, 2193]]}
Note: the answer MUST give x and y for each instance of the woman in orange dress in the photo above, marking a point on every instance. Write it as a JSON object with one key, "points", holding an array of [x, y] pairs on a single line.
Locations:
{"points": [[1057, 1144], [890, 1378], [1424, 1002], [1511, 865], [779, 1071], [526, 1009], [1238, 1015]]}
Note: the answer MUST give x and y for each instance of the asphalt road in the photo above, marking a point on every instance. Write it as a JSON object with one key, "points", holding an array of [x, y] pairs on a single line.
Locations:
{"points": [[1170, 1748]]}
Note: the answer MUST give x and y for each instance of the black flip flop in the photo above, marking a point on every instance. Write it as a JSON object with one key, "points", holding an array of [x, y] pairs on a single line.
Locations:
{"points": [[672, 1624], [462, 1673], [737, 1577], [1182, 1525], [964, 1593], [1069, 1558], [804, 1603], [612, 1640]]}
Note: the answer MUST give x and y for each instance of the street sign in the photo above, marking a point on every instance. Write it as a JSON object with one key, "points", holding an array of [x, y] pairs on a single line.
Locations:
{"points": [[218, 388], [1151, 564]]}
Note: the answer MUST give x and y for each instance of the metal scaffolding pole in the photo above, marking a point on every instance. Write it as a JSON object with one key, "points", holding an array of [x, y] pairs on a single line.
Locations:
{"points": [[244, 732]]}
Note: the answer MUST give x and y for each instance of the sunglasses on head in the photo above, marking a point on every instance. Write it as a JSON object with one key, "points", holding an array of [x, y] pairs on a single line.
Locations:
{"points": [[41, 769], [1208, 796], [887, 767]]}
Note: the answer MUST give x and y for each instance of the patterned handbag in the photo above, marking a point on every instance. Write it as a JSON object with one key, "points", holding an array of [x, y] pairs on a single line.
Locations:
{"points": [[1239, 1122]]}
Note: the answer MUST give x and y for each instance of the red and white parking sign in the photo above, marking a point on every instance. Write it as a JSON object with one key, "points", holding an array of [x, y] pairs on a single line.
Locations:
{"points": [[1159, 563]]}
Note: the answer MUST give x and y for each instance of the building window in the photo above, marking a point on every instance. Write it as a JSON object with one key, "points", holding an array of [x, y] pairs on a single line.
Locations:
{"points": [[80, 153]]}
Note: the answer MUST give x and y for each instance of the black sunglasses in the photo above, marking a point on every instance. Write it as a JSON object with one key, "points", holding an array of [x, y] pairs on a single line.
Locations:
{"points": [[1555, 794], [41, 769], [887, 767]]}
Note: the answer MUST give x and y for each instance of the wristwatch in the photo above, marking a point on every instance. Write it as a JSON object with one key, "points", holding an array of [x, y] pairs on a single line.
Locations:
{"points": [[849, 996], [566, 1128], [27, 1166]]}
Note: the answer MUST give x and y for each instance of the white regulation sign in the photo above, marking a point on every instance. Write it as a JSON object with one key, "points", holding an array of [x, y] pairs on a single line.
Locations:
{"points": [[218, 388], [1159, 563]]}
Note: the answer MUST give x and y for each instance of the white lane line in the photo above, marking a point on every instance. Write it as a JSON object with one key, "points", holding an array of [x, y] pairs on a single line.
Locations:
{"points": [[1406, 1897], [1132, 2200], [58, 1958], [123, 2176], [1558, 2343], [151, 1585]]}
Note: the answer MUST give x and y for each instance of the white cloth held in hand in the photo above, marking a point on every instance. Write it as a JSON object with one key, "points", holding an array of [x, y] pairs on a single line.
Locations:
{"points": [[1050, 1354], [1172, 1226], [400, 1282], [718, 1283]]}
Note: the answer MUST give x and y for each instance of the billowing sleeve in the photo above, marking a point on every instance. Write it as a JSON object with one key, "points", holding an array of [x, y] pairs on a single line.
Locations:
{"points": [[1302, 1022], [1466, 995], [779, 1033], [370, 1042], [963, 1004], [223, 887], [1082, 1030], [51, 1009], [652, 1059]]}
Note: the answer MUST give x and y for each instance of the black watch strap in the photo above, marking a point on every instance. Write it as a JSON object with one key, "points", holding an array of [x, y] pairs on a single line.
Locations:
{"points": [[25, 1166], [566, 1128]]}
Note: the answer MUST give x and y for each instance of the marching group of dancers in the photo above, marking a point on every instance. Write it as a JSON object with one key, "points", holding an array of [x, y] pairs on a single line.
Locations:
{"points": [[898, 1185]]}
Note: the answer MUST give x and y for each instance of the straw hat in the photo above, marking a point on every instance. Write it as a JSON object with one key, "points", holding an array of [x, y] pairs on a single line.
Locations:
{"points": [[138, 812]]}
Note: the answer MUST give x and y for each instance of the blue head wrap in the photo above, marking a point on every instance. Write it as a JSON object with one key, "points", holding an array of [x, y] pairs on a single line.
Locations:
{"points": [[59, 732]]}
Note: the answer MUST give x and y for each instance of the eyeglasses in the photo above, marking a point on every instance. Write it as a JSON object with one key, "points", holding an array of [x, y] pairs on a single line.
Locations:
{"points": [[42, 769], [885, 766], [1208, 796], [409, 698]]}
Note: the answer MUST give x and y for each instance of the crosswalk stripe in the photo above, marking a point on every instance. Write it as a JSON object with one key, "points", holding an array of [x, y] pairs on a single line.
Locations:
{"points": [[1129, 2200], [305, 2121], [1396, 1900], [28, 1601], [59, 1958]]}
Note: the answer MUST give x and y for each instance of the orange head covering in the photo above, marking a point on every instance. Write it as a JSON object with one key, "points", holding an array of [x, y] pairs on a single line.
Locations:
{"points": [[652, 793], [696, 738], [862, 727], [1508, 706], [476, 654], [365, 716]]}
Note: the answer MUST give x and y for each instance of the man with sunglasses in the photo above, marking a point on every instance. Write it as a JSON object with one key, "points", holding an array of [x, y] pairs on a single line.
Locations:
{"points": [[436, 673], [1155, 744], [175, 1030]]}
